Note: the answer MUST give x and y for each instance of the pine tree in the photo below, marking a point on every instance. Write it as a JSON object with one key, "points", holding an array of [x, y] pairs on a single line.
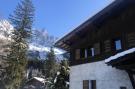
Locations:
{"points": [[61, 80], [50, 67], [22, 20], [50, 64]]}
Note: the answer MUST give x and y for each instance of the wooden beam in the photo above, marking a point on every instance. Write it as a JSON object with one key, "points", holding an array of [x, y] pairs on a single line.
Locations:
{"points": [[131, 66]]}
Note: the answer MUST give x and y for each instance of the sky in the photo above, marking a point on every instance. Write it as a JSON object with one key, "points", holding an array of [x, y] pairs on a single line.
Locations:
{"points": [[58, 17]]}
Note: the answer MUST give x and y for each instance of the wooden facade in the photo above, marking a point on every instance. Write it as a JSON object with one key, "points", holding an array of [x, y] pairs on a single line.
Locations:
{"points": [[116, 22]]}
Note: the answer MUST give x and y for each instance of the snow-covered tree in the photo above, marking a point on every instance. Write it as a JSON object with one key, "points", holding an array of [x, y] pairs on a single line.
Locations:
{"points": [[61, 80], [22, 20]]}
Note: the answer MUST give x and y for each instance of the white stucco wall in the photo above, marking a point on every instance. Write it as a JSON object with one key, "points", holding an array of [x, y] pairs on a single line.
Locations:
{"points": [[106, 77]]}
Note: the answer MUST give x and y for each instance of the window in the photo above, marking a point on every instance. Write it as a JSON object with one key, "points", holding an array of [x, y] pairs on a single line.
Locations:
{"points": [[90, 52], [118, 44], [77, 54], [93, 84], [123, 88], [85, 84], [89, 84], [82, 53]]}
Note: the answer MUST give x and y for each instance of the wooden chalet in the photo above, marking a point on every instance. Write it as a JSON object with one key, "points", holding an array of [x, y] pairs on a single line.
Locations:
{"points": [[102, 46]]}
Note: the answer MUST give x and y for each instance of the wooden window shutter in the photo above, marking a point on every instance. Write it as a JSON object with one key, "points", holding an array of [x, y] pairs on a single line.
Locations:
{"points": [[77, 54], [107, 46], [97, 48], [85, 84], [131, 39]]}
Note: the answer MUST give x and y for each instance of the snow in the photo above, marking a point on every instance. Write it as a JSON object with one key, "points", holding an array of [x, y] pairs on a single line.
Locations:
{"points": [[121, 54], [58, 51], [5, 30], [67, 83], [40, 79], [58, 73], [4, 38], [55, 80], [36, 48], [46, 49]]}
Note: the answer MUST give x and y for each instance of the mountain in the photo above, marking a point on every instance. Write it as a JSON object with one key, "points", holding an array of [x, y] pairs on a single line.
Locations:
{"points": [[39, 44]]}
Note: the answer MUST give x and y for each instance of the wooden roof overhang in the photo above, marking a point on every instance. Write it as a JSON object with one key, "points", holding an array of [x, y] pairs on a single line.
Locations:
{"points": [[92, 24], [126, 62]]}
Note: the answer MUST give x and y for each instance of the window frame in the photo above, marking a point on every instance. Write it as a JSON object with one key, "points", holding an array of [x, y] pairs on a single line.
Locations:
{"points": [[89, 84], [114, 44], [118, 44]]}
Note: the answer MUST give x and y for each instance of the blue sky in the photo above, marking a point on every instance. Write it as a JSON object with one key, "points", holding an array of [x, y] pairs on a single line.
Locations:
{"points": [[58, 17]]}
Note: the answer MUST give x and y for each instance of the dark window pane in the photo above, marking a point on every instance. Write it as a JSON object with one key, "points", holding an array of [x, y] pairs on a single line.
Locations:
{"points": [[82, 53], [93, 84], [123, 88], [90, 52]]}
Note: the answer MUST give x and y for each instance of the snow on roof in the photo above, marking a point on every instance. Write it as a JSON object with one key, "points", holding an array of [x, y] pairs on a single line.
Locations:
{"points": [[121, 54], [40, 79]]}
